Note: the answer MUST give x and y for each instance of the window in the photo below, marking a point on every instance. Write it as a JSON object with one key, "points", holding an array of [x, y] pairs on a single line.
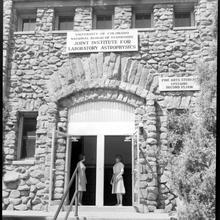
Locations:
{"points": [[65, 23], [103, 22], [26, 20], [182, 19], [27, 135], [184, 15], [64, 18], [142, 17], [142, 20], [28, 24], [103, 18]]}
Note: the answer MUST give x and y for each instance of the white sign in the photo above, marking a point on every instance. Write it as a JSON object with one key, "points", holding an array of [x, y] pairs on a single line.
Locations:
{"points": [[102, 41], [178, 84]]}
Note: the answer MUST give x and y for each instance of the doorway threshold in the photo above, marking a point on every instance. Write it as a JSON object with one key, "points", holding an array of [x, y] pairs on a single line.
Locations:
{"points": [[103, 208]]}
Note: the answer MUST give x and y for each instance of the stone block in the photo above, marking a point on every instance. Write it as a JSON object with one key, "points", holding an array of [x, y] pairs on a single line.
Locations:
{"points": [[16, 201], [23, 188], [21, 207], [11, 177], [15, 194], [38, 207]]}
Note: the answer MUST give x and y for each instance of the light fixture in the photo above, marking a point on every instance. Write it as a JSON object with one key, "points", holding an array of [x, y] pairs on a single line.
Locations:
{"points": [[75, 139], [127, 139]]}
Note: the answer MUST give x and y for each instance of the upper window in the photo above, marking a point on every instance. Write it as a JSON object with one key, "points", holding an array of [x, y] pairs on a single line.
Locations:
{"points": [[26, 20], [183, 19], [142, 17], [142, 20], [102, 18], [28, 24], [27, 135], [64, 19], [184, 15], [65, 23]]}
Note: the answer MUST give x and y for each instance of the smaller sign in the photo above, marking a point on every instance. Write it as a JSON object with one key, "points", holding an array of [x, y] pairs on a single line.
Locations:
{"points": [[179, 84], [102, 41]]}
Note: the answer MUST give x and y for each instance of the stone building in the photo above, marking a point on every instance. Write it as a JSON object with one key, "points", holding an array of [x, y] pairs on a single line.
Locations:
{"points": [[108, 102]]}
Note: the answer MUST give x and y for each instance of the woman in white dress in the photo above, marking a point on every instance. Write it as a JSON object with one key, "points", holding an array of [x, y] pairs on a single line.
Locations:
{"points": [[82, 181], [117, 180]]}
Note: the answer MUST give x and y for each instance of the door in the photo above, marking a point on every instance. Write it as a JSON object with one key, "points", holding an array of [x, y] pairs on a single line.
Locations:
{"points": [[85, 145], [117, 145], [135, 172], [101, 119]]}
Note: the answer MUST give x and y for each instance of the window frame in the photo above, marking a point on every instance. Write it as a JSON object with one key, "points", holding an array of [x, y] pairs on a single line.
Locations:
{"points": [[100, 12], [24, 16], [21, 116], [64, 12], [142, 11], [188, 9]]}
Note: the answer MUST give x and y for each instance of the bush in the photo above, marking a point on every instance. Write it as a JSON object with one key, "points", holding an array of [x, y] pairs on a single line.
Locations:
{"points": [[192, 138]]}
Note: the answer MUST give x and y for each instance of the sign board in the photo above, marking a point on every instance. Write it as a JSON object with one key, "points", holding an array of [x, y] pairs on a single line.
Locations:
{"points": [[102, 41], [179, 84]]}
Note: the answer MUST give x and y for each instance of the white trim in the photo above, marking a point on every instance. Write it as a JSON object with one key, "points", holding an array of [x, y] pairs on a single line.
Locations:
{"points": [[100, 154], [23, 32], [185, 28], [29, 161]]}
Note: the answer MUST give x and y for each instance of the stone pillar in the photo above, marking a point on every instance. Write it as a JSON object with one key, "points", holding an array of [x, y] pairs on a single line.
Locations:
{"points": [[148, 163], [60, 154], [44, 21], [46, 122], [205, 22], [163, 16], [7, 29], [122, 17], [83, 19]]}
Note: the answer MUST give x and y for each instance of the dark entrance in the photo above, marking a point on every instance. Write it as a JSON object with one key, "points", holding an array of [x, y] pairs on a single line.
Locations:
{"points": [[117, 145], [85, 145]]}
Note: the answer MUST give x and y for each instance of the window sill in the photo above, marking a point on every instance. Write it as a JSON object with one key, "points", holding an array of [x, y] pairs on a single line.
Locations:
{"points": [[24, 32], [144, 29], [61, 31], [184, 28], [30, 161]]}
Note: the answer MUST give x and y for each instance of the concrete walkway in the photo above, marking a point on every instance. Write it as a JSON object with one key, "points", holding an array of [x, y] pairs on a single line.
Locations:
{"points": [[38, 215]]}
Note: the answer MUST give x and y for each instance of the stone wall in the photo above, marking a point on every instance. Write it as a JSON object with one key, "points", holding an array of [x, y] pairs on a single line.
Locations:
{"points": [[45, 79]]}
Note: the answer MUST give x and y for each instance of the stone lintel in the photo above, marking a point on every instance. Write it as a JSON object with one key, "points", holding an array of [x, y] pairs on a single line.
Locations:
{"points": [[24, 4]]}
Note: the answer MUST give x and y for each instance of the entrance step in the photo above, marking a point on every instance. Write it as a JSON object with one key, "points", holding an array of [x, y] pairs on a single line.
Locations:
{"points": [[92, 215], [83, 209]]}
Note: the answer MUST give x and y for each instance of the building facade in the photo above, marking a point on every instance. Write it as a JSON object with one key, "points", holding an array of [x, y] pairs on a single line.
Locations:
{"points": [[108, 102]]}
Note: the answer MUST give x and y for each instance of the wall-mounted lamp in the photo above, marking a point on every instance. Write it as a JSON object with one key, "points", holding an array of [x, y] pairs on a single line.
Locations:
{"points": [[127, 139], [75, 139]]}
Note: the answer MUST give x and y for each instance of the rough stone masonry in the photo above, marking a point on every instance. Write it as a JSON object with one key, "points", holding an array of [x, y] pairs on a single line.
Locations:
{"points": [[39, 76]]}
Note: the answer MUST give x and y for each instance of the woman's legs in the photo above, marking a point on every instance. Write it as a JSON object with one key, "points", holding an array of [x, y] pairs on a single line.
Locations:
{"points": [[120, 198], [80, 195], [117, 198]]}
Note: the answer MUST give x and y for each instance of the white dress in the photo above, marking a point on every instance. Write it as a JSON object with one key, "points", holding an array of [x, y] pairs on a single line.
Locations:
{"points": [[82, 181], [118, 185]]}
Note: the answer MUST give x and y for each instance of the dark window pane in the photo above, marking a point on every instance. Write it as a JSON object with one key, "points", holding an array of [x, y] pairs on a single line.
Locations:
{"points": [[29, 137], [65, 23], [28, 24], [182, 19], [142, 20], [103, 22]]}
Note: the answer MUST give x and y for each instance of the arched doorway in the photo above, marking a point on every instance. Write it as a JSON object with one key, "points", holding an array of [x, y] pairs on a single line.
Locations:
{"points": [[102, 128]]}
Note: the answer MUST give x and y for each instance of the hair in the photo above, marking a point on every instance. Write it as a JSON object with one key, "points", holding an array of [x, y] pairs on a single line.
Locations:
{"points": [[81, 156], [119, 157]]}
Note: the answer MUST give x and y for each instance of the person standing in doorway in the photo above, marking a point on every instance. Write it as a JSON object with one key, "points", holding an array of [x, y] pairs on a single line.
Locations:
{"points": [[82, 181], [117, 179]]}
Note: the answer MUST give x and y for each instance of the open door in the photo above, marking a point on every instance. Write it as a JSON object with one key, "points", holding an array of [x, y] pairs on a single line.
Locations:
{"points": [[135, 171]]}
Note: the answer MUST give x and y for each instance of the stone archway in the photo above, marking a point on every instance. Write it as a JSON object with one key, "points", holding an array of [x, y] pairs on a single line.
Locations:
{"points": [[71, 86]]}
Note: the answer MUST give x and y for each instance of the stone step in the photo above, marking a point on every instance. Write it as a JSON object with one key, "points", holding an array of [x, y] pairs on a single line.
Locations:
{"points": [[92, 215]]}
